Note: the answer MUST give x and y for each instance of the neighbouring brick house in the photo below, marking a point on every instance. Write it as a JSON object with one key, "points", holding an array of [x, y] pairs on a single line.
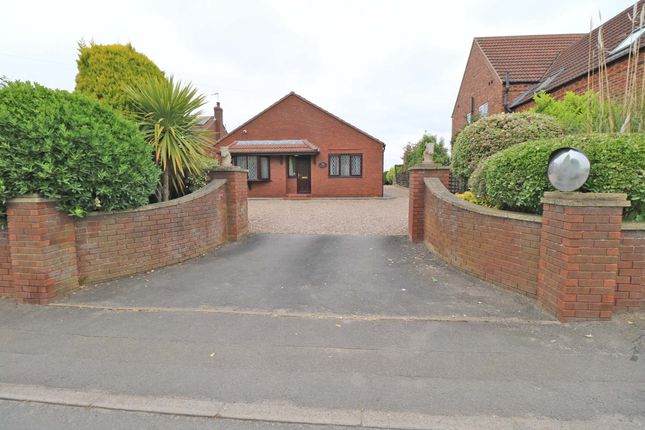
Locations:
{"points": [[504, 73], [215, 123], [571, 71], [499, 69], [294, 148]]}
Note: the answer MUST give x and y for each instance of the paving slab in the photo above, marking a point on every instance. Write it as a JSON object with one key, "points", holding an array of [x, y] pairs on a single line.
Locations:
{"points": [[333, 274]]}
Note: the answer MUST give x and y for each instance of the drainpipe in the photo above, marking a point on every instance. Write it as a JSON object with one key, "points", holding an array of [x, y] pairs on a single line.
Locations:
{"points": [[507, 87]]}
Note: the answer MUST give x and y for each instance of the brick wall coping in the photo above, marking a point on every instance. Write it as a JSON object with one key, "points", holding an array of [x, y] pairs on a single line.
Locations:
{"points": [[632, 225], [586, 199], [440, 191], [31, 198], [208, 188], [428, 166]]}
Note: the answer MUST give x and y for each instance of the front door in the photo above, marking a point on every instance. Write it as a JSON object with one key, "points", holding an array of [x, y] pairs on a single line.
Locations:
{"points": [[303, 174]]}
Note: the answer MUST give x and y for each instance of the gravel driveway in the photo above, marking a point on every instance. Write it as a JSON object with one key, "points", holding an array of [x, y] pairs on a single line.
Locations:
{"points": [[373, 216]]}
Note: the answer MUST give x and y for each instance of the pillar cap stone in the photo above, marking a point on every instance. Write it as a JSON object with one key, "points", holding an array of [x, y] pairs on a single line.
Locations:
{"points": [[586, 199]]}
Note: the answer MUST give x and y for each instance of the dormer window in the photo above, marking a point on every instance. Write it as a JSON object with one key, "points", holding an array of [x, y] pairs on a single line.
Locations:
{"points": [[629, 41]]}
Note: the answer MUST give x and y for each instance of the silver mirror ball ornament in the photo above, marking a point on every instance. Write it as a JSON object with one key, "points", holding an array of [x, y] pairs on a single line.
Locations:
{"points": [[568, 169]]}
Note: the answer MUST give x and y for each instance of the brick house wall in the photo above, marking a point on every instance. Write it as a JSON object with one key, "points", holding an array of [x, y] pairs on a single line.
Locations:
{"points": [[481, 82], [616, 76], [6, 288], [295, 118]]}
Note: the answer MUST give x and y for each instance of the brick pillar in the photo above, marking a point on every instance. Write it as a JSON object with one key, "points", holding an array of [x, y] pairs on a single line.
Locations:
{"points": [[237, 192], [417, 194], [579, 251], [42, 243]]}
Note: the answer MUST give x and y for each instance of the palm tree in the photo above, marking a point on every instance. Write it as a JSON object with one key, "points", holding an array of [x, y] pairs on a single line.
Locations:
{"points": [[167, 112]]}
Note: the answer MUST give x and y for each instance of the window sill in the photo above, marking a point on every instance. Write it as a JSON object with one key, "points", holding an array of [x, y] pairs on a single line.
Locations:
{"points": [[345, 177], [258, 180]]}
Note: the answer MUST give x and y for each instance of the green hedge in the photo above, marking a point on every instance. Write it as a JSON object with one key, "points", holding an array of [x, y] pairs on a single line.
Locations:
{"points": [[492, 134], [516, 178], [72, 148]]}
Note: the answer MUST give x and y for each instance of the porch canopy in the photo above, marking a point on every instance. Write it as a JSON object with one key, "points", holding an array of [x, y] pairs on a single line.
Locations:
{"points": [[273, 147]]}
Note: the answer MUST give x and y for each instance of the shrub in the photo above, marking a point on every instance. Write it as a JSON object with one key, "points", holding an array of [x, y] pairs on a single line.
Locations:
{"points": [[516, 178], [390, 175], [413, 153], [468, 196], [104, 71], [477, 181], [70, 147], [578, 113], [495, 133]]}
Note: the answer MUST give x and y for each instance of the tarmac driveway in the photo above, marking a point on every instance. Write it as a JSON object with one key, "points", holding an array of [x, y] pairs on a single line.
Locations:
{"points": [[337, 274]]}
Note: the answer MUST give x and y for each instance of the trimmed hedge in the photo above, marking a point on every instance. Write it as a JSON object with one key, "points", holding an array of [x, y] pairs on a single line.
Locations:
{"points": [[492, 134], [516, 178], [70, 147]]}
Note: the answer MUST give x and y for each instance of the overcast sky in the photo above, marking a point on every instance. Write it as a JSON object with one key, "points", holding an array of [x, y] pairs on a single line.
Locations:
{"points": [[392, 68]]}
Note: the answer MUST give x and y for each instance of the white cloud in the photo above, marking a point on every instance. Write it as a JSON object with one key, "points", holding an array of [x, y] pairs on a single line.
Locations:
{"points": [[392, 68]]}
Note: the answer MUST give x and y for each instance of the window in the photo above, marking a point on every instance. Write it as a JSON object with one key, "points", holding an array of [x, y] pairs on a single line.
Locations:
{"points": [[483, 110], [629, 41], [469, 117], [291, 172], [257, 166], [346, 165]]}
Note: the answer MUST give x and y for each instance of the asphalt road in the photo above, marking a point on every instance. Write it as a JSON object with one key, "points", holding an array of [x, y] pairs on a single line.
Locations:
{"points": [[217, 341]]}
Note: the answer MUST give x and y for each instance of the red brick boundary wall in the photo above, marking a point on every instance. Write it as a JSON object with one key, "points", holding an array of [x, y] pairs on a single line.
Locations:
{"points": [[579, 260], [6, 287], [44, 252], [417, 194], [500, 247], [630, 282]]}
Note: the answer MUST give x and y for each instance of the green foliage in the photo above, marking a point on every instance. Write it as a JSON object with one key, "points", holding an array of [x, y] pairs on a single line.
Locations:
{"points": [[585, 113], [104, 72], [168, 116], [495, 133], [195, 182], [390, 175], [413, 153], [477, 181], [516, 178], [69, 147], [468, 196]]}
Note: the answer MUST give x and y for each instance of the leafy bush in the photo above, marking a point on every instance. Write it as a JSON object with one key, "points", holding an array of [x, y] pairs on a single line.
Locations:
{"points": [[586, 113], [413, 153], [70, 147], [104, 71], [391, 174], [516, 178], [477, 181], [468, 196], [495, 133]]}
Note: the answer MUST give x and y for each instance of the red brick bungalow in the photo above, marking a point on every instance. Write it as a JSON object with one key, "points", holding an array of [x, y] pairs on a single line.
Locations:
{"points": [[571, 71], [499, 69], [294, 148]]}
